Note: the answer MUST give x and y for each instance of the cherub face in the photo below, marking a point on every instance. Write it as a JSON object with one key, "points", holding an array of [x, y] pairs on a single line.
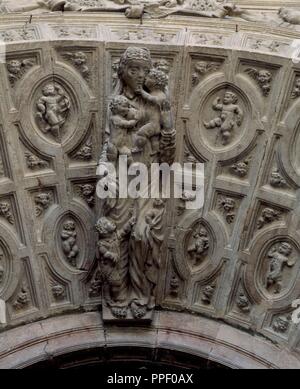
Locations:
{"points": [[241, 167], [282, 323], [123, 108], [86, 151], [276, 178], [162, 65], [228, 205], [14, 66], [87, 189], [105, 227], [268, 214], [49, 90], [69, 226], [243, 301], [4, 207], [229, 98], [201, 67], [264, 77], [80, 58], [202, 232], [43, 199], [285, 249]]}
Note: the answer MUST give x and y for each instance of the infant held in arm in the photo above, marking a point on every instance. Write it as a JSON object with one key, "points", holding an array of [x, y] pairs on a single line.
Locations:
{"points": [[123, 117], [156, 83]]}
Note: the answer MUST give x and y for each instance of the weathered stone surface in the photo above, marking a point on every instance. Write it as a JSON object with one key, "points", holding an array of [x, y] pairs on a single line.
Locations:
{"points": [[230, 93]]}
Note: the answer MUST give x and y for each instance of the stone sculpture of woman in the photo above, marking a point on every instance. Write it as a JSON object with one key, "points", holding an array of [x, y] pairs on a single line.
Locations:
{"points": [[140, 253]]}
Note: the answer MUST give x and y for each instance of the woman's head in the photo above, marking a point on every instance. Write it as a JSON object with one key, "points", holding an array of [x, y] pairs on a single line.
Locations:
{"points": [[135, 64]]}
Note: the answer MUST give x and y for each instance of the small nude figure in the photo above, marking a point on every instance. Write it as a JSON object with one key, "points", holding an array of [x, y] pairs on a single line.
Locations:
{"points": [[109, 254], [69, 239], [42, 202], [156, 83], [53, 108], [230, 117], [279, 257], [123, 118], [200, 246]]}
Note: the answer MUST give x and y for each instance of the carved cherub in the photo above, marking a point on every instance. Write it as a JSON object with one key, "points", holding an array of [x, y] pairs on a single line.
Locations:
{"points": [[42, 201], [58, 291], [162, 65], [69, 241], [281, 324], [200, 246], [227, 205], [268, 216], [53, 108], [123, 118], [34, 162], [208, 293], [241, 168], [87, 192], [230, 118], [263, 78], [17, 68], [85, 152], [296, 89], [79, 59], [109, 252], [201, 68], [278, 259], [277, 180], [22, 299], [5, 211], [156, 82], [243, 303]]}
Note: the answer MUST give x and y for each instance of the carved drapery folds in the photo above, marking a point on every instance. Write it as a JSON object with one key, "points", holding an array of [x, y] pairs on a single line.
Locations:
{"points": [[140, 127]]}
